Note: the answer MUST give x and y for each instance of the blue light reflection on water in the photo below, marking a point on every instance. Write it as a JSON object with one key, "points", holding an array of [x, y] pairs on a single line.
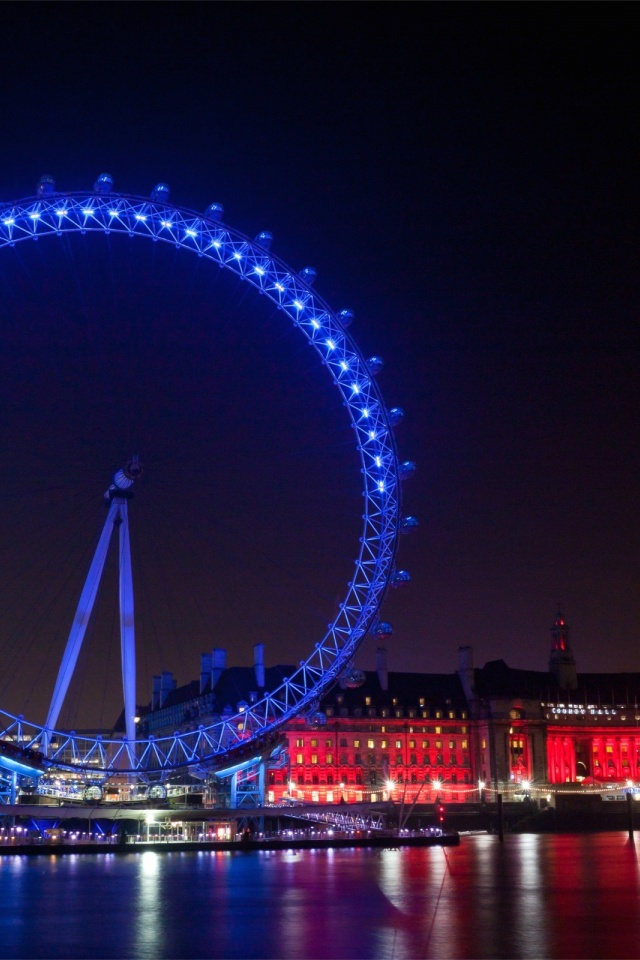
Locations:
{"points": [[533, 896]]}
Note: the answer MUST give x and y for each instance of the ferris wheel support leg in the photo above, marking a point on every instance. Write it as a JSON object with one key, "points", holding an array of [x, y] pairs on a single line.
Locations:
{"points": [[83, 613], [127, 627]]}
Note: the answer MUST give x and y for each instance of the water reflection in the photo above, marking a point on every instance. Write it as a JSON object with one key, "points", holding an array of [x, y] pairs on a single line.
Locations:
{"points": [[531, 897], [148, 927]]}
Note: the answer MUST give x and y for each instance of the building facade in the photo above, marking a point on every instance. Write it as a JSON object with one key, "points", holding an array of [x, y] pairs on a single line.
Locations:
{"points": [[416, 738]]}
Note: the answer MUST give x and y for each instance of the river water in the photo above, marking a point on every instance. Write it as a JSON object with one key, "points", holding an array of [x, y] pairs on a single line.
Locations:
{"points": [[536, 896]]}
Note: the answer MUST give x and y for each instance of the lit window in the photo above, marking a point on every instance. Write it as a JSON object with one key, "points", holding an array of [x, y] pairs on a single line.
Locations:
{"points": [[299, 742], [314, 742], [438, 729], [367, 701], [371, 744], [314, 758], [298, 758], [329, 758], [356, 743], [383, 744], [398, 744]]}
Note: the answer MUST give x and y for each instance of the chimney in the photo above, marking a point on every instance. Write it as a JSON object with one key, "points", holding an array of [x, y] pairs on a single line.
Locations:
{"points": [[466, 673], [219, 663], [258, 664], [381, 667], [206, 666], [167, 684], [155, 694]]}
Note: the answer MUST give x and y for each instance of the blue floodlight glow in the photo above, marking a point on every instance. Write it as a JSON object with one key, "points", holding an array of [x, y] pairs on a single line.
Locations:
{"points": [[218, 742]]}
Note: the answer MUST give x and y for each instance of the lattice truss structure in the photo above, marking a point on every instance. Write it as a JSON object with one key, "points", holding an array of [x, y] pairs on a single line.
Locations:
{"points": [[52, 214]]}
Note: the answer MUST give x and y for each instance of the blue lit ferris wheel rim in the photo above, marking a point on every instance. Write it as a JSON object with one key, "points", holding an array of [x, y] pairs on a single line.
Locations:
{"points": [[251, 260]]}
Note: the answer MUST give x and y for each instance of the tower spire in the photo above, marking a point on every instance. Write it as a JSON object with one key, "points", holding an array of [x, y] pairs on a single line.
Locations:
{"points": [[562, 664]]}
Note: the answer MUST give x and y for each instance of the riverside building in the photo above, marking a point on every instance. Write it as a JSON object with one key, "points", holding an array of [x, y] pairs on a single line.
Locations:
{"points": [[417, 737]]}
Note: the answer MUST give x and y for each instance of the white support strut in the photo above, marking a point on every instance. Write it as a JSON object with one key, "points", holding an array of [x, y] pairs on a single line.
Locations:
{"points": [[127, 627], [117, 516]]}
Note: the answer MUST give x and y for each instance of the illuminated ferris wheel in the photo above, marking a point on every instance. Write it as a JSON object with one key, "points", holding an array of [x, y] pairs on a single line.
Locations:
{"points": [[53, 214]]}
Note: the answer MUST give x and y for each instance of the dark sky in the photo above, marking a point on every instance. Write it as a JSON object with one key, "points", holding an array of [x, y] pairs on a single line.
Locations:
{"points": [[465, 178]]}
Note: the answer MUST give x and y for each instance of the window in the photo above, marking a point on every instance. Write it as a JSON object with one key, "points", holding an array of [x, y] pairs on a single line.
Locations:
{"points": [[356, 744], [299, 758], [398, 713], [328, 742], [452, 714], [438, 729], [463, 730], [371, 759], [314, 779], [299, 742], [371, 744], [452, 744], [314, 758], [343, 759], [484, 744], [438, 744], [367, 701], [421, 701], [329, 796], [358, 759], [300, 778], [383, 744], [398, 744], [271, 796], [412, 758], [398, 759], [425, 744], [438, 714], [329, 758], [329, 778], [343, 741], [314, 743], [464, 745], [315, 796], [412, 744]]}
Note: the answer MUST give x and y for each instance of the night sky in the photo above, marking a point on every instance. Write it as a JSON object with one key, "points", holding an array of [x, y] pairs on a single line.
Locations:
{"points": [[464, 177]]}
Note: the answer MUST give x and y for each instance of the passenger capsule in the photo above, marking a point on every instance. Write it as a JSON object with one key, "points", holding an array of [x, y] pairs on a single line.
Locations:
{"points": [[161, 193], [308, 274], [354, 679], [264, 239], [104, 184], [396, 416], [382, 629], [46, 186], [316, 718], [346, 317], [375, 365], [406, 469], [400, 577], [408, 524], [215, 211]]}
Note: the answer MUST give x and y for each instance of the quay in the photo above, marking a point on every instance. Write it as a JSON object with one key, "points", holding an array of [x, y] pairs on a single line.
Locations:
{"points": [[319, 842]]}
